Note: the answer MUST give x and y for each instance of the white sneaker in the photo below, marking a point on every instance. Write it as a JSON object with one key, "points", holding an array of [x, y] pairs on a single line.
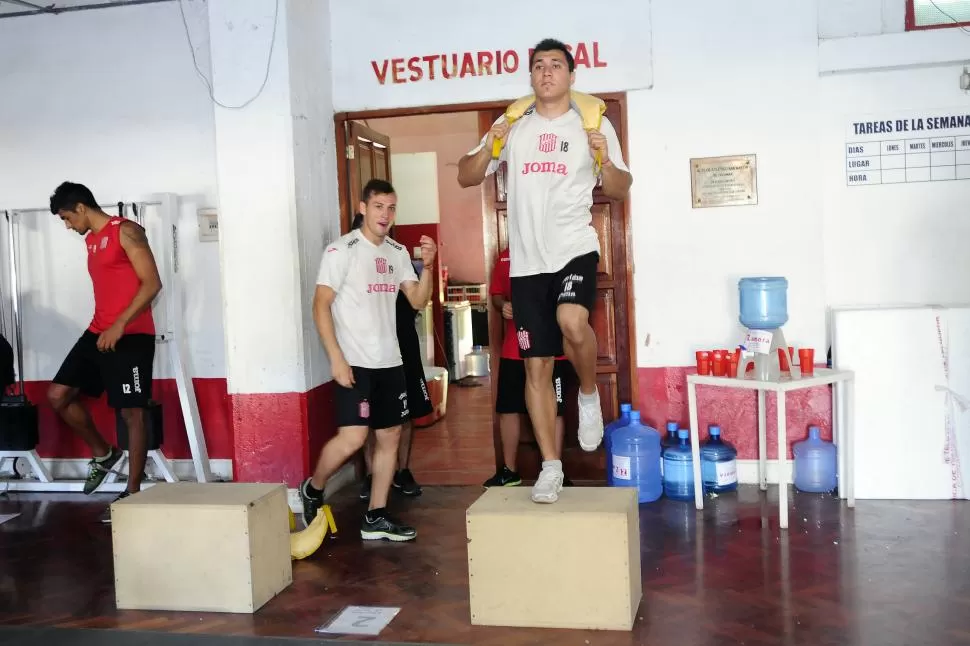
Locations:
{"points": [[590, 422], [548, 485]]}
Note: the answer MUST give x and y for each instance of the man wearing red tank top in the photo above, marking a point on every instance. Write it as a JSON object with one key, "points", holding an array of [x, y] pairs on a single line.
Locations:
{"points": [[116, 352]]}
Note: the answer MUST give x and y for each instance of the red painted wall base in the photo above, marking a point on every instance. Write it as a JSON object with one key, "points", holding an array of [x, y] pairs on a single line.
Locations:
{"points": [[663, 397], [269, 437], [57, 440], [278, 437]]}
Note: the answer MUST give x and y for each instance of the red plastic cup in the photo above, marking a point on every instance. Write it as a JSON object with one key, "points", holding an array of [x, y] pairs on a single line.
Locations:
{"points": [[783, 361], [732, 368], [703, 362], [717, 363], [806, 357]]}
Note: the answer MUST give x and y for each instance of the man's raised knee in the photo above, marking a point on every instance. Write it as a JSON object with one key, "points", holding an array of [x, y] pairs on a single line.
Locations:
{"points": [[59, 396], [351, 438], [573, 321]]}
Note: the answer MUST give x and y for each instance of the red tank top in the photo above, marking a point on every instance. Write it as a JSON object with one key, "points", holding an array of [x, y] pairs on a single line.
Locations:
{"points": [[115, 281]]}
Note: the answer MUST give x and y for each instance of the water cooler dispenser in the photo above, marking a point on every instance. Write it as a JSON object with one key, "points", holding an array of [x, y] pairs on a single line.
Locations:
{"points": [[764, 310]]}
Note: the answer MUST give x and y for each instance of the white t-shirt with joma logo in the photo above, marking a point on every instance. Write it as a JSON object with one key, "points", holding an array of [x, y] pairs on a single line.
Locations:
{"points": [[366, 279], [550, 190]]}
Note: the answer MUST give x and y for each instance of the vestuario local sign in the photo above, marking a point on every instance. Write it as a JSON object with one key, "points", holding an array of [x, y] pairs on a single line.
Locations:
{"points": [[388, 54]]}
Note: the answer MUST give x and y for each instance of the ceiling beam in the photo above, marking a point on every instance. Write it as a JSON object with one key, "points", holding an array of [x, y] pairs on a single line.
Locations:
{"points": [[54, 9], [30, 5]]}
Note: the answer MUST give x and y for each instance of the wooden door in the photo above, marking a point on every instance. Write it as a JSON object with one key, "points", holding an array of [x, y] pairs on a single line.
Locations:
{"points": [[368, 156], [611, 318]]}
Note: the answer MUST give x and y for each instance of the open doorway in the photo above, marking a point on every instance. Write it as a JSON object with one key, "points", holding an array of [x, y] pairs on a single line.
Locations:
{"points": [[418, 151]]}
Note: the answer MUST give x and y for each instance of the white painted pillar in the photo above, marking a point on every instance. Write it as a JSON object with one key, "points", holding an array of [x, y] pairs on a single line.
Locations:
{"points": [[277, 196]]}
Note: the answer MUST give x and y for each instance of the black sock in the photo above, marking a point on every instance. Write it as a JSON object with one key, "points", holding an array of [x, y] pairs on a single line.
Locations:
{"points": [[374, 514], [312, 491]]}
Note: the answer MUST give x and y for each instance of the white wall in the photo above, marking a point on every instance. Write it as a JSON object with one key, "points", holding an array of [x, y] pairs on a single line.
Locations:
{"points": [[315, 163], [277, 180], [416, 182], [900, 243], [744, 78], [852, 18], [748, 78], [738, 78], [109, 99]]}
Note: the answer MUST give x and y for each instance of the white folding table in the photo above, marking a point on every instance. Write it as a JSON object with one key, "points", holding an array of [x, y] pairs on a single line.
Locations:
{"points": [[841, 430]]}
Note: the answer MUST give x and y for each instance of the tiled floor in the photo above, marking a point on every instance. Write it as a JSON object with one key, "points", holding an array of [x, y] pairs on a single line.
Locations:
{"points": [[458, 450]]}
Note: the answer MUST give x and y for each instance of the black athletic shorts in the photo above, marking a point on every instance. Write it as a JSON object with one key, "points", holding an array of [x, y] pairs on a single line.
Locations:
{"points": [[419, 399], [510, 398], [125, 373], [378, 399], [535, 300]]}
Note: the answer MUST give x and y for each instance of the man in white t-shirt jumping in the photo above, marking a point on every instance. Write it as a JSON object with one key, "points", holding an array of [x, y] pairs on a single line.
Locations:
{"points": [[355, 308], [553, 247]]}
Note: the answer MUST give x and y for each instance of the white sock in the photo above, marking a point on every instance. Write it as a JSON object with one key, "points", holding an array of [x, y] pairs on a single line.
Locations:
{"points": [[556, 465], [590, 398]]}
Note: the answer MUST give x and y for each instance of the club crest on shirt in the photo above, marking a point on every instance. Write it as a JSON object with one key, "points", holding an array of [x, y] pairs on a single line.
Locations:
{"points": [[547, 142]]}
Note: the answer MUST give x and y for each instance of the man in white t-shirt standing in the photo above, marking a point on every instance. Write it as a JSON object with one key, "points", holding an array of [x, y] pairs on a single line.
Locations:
{"points": [[553, 247], [355, 308]]}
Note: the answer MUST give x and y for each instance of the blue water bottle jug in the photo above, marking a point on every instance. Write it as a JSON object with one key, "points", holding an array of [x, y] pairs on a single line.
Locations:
{"points": [[815, 464], [679, 468], [670, 439], [719, 463], [636, 459], [620, 422], [764, 302]]}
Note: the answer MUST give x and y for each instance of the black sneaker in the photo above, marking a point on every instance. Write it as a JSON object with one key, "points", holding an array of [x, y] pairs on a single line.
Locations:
{"points": [[405, 483], [106, 516], [311, 504], [504, 477], [383, 527], [98, 470], [365, 487]]}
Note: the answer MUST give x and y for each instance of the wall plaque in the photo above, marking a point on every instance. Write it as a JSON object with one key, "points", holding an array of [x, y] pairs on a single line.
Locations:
{"points": [[724, 181]]}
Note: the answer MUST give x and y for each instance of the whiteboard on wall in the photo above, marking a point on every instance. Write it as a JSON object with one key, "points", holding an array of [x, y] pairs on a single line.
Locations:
{"points": [[415, 178], [912, 440]]}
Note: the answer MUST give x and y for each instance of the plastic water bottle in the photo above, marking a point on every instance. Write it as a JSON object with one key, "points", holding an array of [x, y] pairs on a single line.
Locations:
{"points": [[719, 463], [671, 438], [620, 422], [636, 459], [679, 468], [815, 464]]}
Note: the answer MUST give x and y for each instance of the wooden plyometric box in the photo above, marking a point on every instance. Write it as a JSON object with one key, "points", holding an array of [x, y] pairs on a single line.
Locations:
{"points": [[220, 547], [571, 564]]}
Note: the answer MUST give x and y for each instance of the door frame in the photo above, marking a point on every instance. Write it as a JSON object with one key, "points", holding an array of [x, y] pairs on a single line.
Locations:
{"points": [[342, 122]]}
